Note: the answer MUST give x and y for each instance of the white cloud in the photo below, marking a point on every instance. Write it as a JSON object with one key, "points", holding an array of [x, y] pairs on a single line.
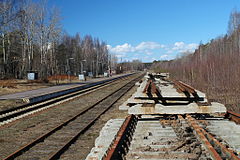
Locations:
{"points": [[120, 55], [182, 47], [164, 56], [148, 46], [169, 51], [178, 45], [147, 51], [109, 47], [121, 48], [136, 55], [192, 46], [146, 59], [144, 47]]}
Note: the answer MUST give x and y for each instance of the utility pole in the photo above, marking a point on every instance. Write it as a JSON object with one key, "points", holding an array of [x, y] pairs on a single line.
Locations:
{"points": [[69, 69], [82, 65], [97, 64]]}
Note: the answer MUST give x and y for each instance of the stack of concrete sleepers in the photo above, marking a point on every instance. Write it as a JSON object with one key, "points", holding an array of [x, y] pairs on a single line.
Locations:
{"points": [[170, 101]]}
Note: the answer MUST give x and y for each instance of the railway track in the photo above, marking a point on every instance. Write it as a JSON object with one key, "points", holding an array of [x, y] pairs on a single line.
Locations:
{"points": [[153, 131], [10, 115], [172, 137], [52, 144]]}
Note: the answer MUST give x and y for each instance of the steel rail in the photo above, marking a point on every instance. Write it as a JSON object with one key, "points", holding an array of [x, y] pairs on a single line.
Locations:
{"points": [[86, 86], [233, 116], [21, 110], [63, 148], [217, 150], [72, 140], [151, 88], [120, 146], [185, 87], [147, 86], [188, 90]]}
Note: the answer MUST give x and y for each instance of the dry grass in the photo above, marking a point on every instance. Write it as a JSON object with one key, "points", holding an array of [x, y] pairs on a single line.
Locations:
{"points": [[8, 104], [229, 98], [14, 86], [62, 77], [8, 84]]}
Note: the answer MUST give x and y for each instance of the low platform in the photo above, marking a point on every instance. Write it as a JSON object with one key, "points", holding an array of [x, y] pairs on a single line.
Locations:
{"points": [[41, 94]]}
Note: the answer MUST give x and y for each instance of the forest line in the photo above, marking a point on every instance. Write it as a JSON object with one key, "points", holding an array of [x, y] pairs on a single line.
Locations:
{"points": [[33, 40]]}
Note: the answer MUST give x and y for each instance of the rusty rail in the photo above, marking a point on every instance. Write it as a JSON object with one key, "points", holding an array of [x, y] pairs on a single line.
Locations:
{"points": [[120, 145], [183, 87], [217, 150], [146, 88], [233, 116], [151, 88]]}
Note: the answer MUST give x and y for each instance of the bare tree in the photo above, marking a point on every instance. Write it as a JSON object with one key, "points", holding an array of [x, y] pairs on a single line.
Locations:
{"points": [[32, 40], [54, 35], [234, 21]]}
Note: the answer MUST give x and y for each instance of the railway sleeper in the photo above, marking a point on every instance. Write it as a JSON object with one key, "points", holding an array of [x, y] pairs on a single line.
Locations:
{"points": [[215, 148], [167, 138]]}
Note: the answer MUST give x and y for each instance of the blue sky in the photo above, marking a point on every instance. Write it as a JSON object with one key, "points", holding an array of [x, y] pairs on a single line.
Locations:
{"points": [[147, 29]]}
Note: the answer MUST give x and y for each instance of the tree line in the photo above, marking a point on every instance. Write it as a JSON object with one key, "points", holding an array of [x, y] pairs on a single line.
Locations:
{"points": [[213, 67], [32, 39]]}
